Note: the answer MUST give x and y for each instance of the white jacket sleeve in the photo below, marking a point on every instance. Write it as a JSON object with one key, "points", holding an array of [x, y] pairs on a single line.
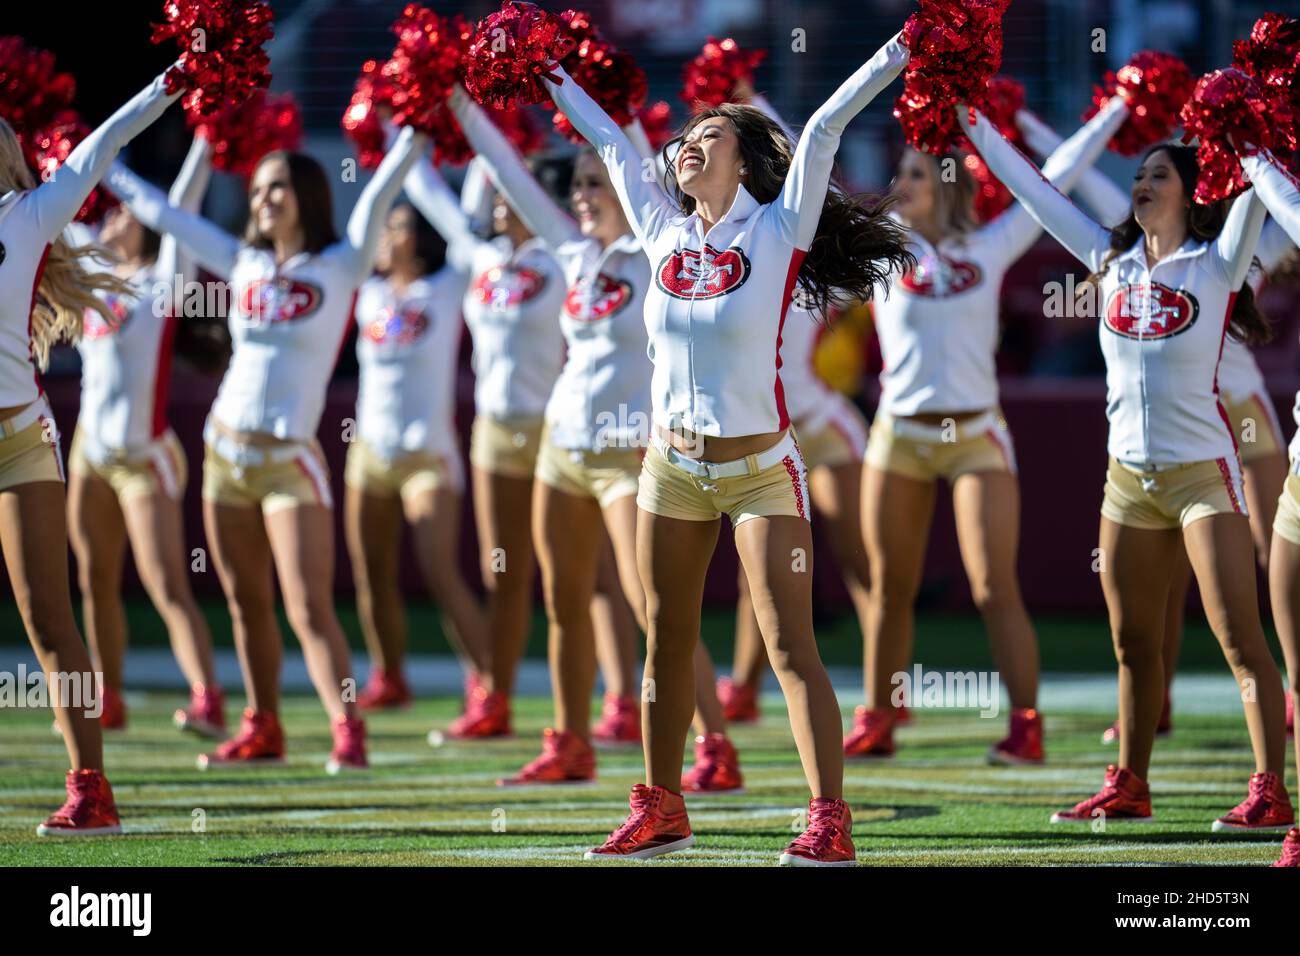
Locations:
{"points": [[1074, 229], [804, 192], [213, 247], [1277, 189], [1095, 188], [1234, 250], [1275, 246], [371, 211], [187, 195], [476, 194], [511, 175], [54, 203], [1011, 234], [436, 202]]}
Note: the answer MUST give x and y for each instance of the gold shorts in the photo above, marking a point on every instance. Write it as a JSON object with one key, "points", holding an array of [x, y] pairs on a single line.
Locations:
{"points": [[505, 447], [927, 452], [1287, 520], [291, 475], [159, 470], [605, 475], [1254, 422], [840, 440], [30, 452], [404, 476], [1172, 497], [780, 488]]}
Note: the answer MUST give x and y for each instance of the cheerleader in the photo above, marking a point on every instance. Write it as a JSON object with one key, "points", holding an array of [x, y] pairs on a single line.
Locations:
{"points": [[266, 494], [514, 297], [1280, 193], [746, 222], [1245, 399], [1170, 282], [45, 287], [126, 469]]}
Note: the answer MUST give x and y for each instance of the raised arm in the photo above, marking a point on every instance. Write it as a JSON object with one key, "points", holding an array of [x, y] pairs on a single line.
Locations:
{"points": [[645, 203], [213, 247], [476, 194], [435, 201], [187, 195], [1074, 229], [1277, 189], [54, 203], [1234, 250], [369, 214], [1013, 232], [804, 192], [511, 175], [1275, 246], [1097, 189]]}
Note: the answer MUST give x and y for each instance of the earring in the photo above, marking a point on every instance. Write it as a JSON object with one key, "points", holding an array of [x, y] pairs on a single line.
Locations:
{"points": [[744, 171]]}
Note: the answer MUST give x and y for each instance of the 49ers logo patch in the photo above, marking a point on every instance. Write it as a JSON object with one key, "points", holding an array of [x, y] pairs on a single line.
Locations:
{"points": [[95, 326], [938, 278], [278, 300], [707, 274], [591, 300], [397, 328], [501, 288], [1152, 311]]}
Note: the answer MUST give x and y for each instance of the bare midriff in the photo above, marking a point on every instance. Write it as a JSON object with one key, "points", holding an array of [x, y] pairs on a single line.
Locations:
{"points": [[940, 418], [709, 448]]}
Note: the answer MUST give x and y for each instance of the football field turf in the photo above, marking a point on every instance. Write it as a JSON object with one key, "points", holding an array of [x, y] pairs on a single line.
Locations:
{"points": [[935, 803]]}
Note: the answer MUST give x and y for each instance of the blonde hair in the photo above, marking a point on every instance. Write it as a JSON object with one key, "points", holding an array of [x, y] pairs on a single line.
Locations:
{"points": [[954, 199], [67, 287]]}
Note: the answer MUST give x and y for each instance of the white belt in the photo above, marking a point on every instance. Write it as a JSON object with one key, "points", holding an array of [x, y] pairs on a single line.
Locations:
{"points": [[246, 456], [1153, 467], [939, 433], [26, 418], [740, 467]]}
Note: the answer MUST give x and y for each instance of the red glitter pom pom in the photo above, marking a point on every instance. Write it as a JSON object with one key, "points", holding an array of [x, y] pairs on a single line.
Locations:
{"points": [[992, 198], [424, 67], [956, 48], [241, 135], [222, 60], [1272, 57], [1157, 84], [710, 78], [510, 55], [521, 127], [51, 148], [610, 77], [657, 121], [1228, 104], [361, 120], [32, 93], [1006, 98]]}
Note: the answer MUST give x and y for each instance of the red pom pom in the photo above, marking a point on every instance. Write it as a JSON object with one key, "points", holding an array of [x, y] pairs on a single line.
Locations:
{"points": [[510, 56], [1272, 57], [51, 148], [1006, 98], [521, 128], [32, 94], [1158, 84], [956, 48], [611, 78], [241, 135], [1228, 103], [361, 120], [710, 78], [232, 62], [657, 121], [991, 197], [424, 67]]}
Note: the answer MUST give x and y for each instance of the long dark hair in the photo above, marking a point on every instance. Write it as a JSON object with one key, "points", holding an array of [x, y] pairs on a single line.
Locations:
{"points": [[1204, 223], [315, 214], [856, 246], [430, 249]]}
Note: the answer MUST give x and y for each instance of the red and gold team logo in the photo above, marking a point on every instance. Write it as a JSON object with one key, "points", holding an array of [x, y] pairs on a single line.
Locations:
{"points": [[95, 326], [707, 274], [394, 328], [265, 301], [501, 287], [591, 300], [1152, 311], [943, 277]]}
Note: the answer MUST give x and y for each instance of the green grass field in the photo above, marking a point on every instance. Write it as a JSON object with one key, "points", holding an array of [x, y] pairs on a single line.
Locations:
{"points": [[936, 803]]}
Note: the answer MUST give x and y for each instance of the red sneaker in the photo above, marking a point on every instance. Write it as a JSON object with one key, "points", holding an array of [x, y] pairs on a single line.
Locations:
{"points": [[206, 715], [739, 701], [827, 841], [1266, 807], [717, 767], [873, 733], [1024, 742], [656, 825], [486, 715], [88, 811], [902, 715], [620, 721], [384, 690], [260, 741], [113, 716], [565, 758], [349, 751], [1163, 729], [1290, 849], [1123, 798]]}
